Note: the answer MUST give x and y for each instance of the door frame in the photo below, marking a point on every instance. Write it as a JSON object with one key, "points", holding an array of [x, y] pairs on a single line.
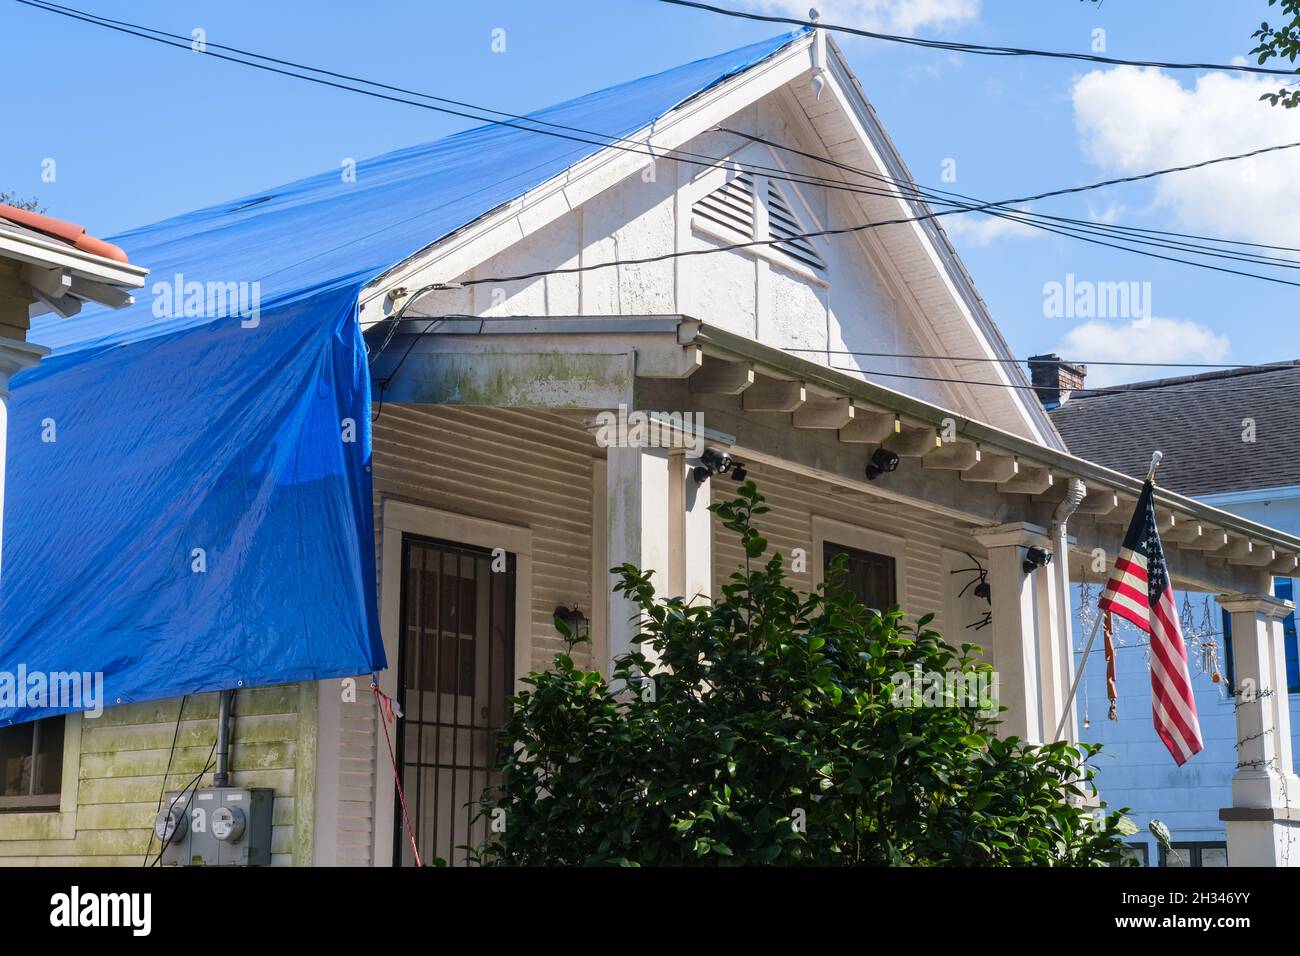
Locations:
{"points": [[405, 517]]}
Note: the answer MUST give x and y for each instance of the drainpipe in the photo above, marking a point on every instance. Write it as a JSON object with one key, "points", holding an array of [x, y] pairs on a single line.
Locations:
{"points": [[222, 776], [1074, 495]]}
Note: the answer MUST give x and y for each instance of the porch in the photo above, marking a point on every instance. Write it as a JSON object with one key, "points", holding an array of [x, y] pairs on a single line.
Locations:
{"points": [[489, 438]]}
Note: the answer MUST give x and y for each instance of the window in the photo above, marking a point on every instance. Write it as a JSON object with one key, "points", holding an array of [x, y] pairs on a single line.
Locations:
{"points": [[1283, 588], [1195, 854], [31, 765], [869, 577], [1137, 851]]}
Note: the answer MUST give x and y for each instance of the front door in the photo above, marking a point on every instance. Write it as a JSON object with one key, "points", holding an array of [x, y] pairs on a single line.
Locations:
{"points": [[455, 678]]}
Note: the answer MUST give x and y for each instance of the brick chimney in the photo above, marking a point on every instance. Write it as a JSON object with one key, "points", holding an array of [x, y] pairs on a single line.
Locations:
{"points": [[1055, 379]]}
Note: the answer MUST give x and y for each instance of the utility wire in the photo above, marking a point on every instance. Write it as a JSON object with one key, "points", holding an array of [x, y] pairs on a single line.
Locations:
{"points": [[980, 48], [993, 208], [1292, 364], [1102, 390]]}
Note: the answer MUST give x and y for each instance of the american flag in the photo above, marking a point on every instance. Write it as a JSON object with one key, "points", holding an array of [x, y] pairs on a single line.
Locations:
{"points": [[1139, 591]]}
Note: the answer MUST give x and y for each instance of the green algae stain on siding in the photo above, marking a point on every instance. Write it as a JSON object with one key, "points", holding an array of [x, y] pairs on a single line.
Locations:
{"points": [[117, 765]]}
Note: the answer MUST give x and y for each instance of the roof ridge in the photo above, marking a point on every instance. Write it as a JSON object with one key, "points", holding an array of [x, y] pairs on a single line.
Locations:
{"points": [[1215, 375]]}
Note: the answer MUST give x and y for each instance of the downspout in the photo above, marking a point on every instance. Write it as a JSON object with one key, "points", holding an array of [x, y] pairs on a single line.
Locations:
{"points": [[221, 778], [1074, 495]]}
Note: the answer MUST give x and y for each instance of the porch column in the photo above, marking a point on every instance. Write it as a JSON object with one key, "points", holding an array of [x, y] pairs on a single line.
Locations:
{"points": [[1263, 822], [658, 520], [1023, 623], [14, 357]]}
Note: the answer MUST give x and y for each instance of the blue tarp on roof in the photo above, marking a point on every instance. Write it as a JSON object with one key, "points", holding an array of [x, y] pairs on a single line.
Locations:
{"points": [[188, 504]]}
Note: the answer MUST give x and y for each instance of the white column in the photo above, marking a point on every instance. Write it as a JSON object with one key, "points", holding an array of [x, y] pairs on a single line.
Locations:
{"points": [[1019, 626], [658, 519], [14, 357], [1263, 822], [697, 559]]}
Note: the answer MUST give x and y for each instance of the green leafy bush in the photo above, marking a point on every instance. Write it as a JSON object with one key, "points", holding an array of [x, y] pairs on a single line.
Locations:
{"points": [[767, 728]]}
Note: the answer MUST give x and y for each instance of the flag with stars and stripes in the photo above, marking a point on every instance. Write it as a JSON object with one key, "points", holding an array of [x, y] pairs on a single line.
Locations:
{"points": [[1139, 591]]}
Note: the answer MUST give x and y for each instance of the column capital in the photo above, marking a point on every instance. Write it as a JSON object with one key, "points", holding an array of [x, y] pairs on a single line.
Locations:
{"points": [[1020, 534], [1264, 604], [16, 355]]}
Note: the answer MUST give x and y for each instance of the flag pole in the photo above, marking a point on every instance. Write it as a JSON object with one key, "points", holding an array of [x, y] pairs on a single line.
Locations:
{"points": [[1087, 648]]}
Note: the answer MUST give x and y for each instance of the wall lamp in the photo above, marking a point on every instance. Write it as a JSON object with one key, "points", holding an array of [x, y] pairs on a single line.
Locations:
{"points": [[715, 462], [882, 460], [574, 619], [1036, 558]]}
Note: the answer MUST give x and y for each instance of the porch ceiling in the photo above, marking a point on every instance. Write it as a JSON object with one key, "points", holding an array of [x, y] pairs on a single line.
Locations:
{"points": [[762, 396]]}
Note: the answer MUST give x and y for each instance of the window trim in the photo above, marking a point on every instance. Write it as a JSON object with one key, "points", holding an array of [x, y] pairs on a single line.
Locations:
{"points": [[55, 822], [863, 539], [1196, 847], [1144, 848]]}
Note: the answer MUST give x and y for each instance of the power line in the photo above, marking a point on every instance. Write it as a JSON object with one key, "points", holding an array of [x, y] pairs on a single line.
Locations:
{"points": [[1019, 361], [980, 48], [1102, 390], [992, 208], [935, 194]]}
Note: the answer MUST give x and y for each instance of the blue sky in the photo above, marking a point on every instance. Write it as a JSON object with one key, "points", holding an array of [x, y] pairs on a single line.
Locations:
{"points": [[139, 132]]}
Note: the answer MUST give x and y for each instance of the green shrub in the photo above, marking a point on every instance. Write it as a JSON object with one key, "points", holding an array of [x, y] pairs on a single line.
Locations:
{"points": [[770, 731]]}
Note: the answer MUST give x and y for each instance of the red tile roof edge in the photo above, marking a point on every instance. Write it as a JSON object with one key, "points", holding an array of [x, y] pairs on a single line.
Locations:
{"points": [[68, 232]]}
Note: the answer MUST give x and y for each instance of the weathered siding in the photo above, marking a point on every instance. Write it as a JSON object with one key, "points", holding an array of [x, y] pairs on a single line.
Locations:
{"points": [[796, 500], [524, 468], [120, 764]]}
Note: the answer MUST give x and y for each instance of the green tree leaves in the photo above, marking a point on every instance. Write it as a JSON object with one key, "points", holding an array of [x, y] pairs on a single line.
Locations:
{"points": [[772, 737]]}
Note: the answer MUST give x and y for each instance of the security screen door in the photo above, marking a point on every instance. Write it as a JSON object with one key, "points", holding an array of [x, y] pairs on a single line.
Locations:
{"points": [[455, 677]]}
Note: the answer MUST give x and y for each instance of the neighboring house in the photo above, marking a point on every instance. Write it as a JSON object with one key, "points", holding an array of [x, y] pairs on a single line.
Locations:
{"points": [[541, 293], [1230, 439]]}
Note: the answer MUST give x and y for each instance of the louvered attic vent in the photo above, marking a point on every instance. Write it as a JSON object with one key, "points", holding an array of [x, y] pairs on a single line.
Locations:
{"points": [[729, 209], [782, 223]]}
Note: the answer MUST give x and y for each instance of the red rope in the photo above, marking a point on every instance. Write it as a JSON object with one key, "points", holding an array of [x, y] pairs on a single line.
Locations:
{"points": [[387, 716]]}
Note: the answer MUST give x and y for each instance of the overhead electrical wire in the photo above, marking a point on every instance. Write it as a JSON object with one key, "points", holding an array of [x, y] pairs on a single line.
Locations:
{"points": [[1100, 390], [1082, 230], [1276, 366], [1077, 229], [980, 48]]}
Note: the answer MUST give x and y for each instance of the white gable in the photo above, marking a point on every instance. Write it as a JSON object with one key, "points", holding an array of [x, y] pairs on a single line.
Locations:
{"points": [[897, 290]]}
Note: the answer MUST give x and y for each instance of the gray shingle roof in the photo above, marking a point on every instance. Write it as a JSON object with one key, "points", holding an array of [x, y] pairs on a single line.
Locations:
{"points": [[1197, 421]]}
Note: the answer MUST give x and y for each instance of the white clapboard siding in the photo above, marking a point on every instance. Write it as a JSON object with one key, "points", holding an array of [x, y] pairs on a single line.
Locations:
{"points": [[515, 466], [795, 500]]}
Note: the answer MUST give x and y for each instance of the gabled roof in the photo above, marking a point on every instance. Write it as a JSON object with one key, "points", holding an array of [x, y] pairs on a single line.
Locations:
{"points": [[322, 232], [1198, 422]]}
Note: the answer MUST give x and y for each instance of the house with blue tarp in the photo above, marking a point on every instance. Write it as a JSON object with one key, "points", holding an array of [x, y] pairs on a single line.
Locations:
{"points": [[390, 426]]}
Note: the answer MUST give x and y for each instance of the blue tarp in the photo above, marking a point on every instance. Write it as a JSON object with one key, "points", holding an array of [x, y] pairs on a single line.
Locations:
{"points": [[183, 509]]}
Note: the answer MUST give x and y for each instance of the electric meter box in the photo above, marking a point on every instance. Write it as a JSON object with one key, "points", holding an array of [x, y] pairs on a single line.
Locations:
{"points": [[218, 826]]}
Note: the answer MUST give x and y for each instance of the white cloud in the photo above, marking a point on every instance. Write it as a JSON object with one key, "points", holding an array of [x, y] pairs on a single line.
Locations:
{"points": [[881, 16], [980, 230], [1132, 120], [1166, 340]]}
